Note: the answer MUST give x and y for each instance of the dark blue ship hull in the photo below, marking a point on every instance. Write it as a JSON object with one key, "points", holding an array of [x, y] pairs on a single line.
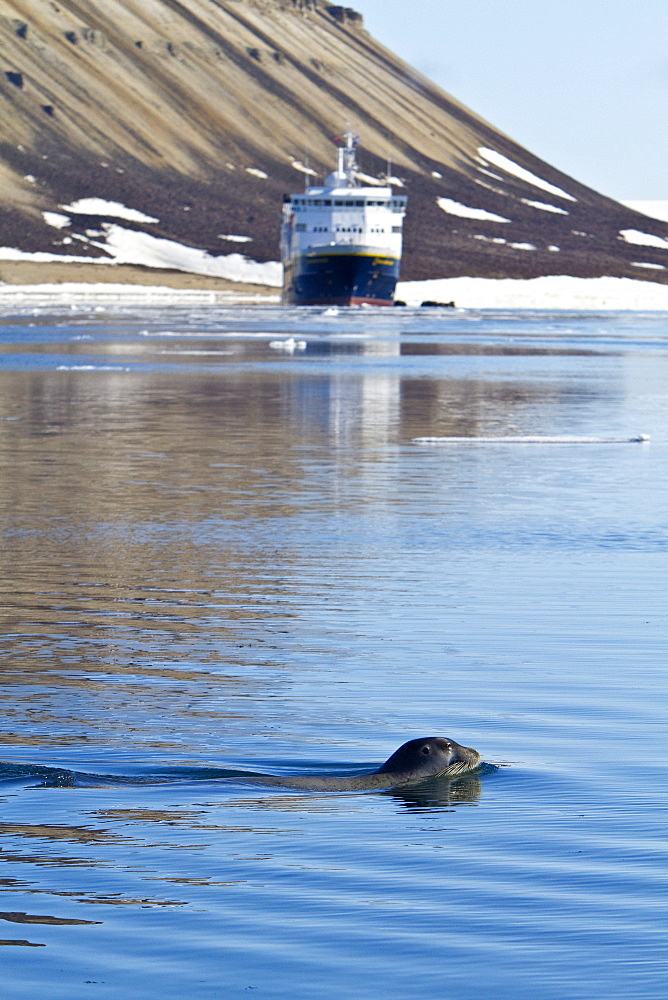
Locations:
{"points": [[338, 277]]}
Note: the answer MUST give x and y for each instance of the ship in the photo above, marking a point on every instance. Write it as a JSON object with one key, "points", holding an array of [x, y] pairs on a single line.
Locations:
{"points": [[341, 243]]}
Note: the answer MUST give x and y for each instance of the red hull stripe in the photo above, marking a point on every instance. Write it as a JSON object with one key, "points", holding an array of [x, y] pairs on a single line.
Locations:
{"points": [[344, 301]]}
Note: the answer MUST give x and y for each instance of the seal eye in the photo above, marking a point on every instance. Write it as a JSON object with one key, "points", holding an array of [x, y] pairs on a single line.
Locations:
{"points": [[425, 750]]}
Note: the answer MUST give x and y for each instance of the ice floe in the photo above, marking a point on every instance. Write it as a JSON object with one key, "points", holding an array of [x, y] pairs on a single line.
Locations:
{"points": [[465, 212], [289, 346], [502, 162]]}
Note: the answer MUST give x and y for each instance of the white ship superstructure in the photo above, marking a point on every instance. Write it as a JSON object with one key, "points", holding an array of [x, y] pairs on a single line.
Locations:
{"points": [[341, 243]]}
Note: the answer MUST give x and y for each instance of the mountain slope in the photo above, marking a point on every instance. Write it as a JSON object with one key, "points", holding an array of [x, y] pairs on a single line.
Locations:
{"points": [[199, 114]]}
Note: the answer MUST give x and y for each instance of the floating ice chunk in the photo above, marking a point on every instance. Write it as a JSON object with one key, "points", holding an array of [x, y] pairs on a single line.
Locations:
{"points": [[465, 212], [543, 206], [91, 368], [257, 173], [289, 346], [56, 220], [98, 206], [503, 163], [534, 439], [643, 239]]}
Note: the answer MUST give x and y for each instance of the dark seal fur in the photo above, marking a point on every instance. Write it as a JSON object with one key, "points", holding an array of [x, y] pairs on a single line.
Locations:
{"points": [[415, 761]]}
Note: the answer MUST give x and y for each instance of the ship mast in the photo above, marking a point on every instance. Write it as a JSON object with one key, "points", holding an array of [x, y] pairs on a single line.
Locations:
{"points": [[347, 166]]}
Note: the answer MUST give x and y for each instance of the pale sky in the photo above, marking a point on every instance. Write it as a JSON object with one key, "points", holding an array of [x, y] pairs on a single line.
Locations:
{"points": [[583, 84]]}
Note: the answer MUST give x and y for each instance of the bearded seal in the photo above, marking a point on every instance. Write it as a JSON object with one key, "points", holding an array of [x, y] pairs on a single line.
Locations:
{"points": [[415, 761]]}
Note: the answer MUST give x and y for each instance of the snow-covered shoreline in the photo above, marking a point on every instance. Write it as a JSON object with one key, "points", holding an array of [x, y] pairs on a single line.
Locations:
{"points": [[555, 292]]}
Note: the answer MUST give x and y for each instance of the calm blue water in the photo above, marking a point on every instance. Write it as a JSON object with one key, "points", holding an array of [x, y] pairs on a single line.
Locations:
{"points": [[222, 552]]}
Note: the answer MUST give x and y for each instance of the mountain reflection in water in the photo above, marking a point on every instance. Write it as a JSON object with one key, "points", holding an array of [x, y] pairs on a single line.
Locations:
{"points": [[222, 559]]}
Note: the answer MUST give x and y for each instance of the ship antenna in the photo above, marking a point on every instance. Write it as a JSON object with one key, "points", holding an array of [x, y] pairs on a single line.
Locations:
{"points": [[348, 156]]}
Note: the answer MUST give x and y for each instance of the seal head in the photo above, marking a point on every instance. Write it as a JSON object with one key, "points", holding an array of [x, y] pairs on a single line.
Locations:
{"points": [[431, 757]]}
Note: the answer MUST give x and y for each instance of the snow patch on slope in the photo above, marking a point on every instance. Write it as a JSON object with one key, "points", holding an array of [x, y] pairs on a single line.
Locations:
{"points": [[127, 246], [130, 247], [499, 160], [465, 212], [297, 165], [56, 220], [643, 239], [652, 209], [114, 209], [543, 206]]}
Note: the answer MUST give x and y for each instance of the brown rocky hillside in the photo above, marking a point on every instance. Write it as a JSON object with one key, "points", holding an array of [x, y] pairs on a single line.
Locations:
{"points": [[200, 114]]}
